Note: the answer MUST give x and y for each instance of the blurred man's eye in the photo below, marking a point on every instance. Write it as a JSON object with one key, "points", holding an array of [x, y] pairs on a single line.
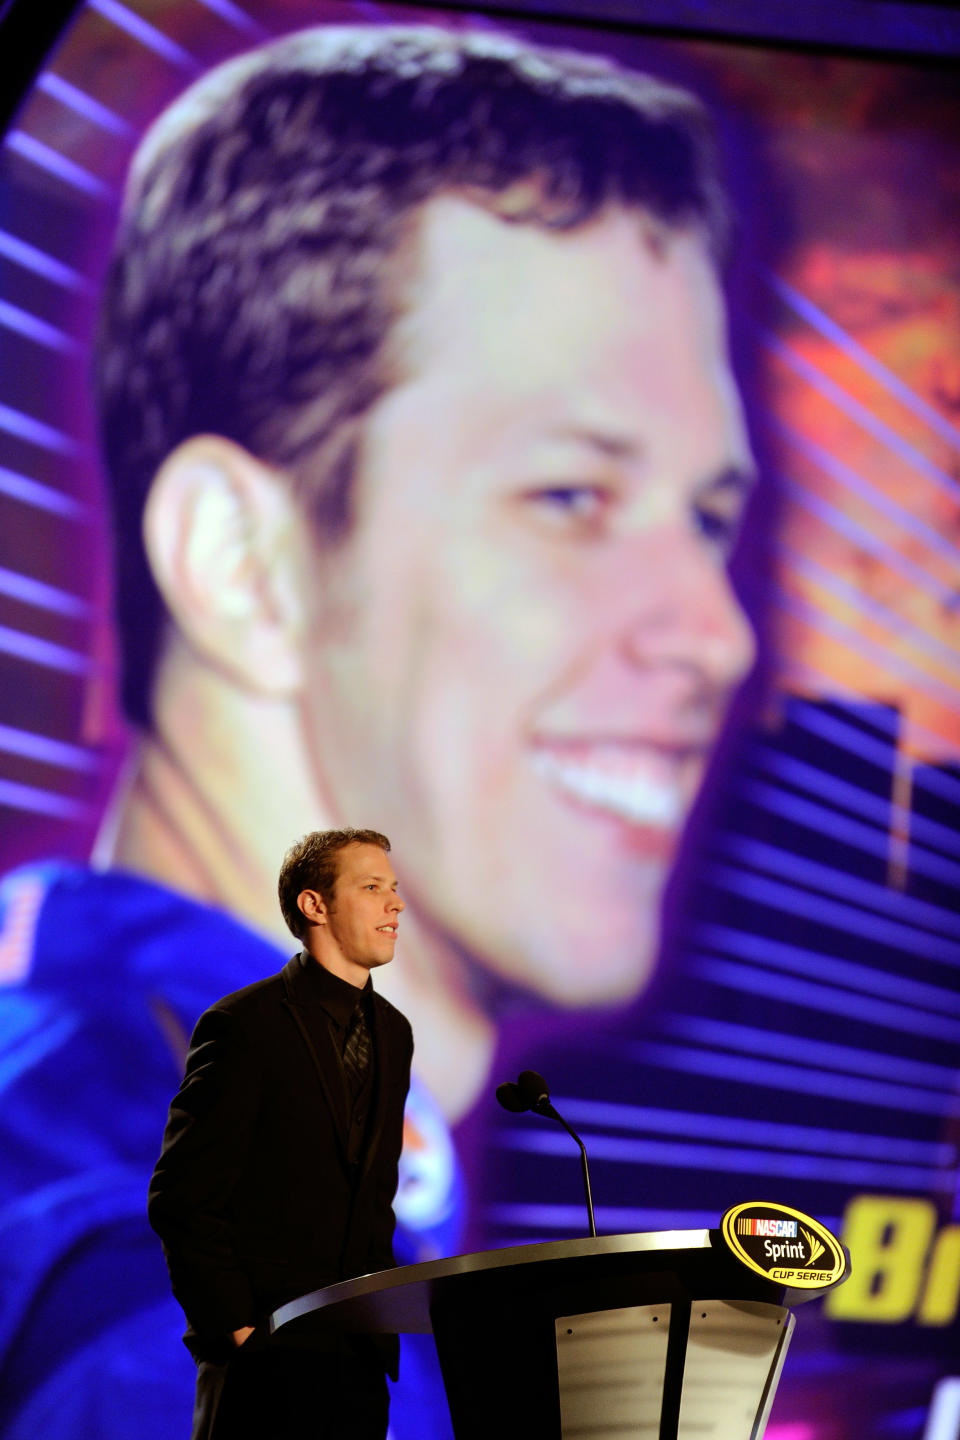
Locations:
{"points": [[566, 505], [719, 527]]}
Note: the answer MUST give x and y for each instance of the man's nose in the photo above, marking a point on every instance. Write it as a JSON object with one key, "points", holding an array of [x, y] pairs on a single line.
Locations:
{"points": [[395, 903], [688, 615]]}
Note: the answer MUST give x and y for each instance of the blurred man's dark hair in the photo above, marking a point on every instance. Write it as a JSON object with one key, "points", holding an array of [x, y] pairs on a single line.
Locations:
{"points": [[313, 863], [258, 263]]}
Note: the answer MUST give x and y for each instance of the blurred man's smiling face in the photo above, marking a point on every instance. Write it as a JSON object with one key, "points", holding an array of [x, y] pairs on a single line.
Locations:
{"points": [[524, 651]]}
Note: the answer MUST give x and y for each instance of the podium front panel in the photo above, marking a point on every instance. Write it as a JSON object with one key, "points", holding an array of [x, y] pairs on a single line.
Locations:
{"points": [[735, 1350], [611, 1366]]}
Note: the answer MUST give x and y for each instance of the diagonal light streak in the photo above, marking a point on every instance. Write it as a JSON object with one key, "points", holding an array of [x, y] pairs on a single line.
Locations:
{"points": [[146, 34], [873, 897], [49, 752], [237, 18], [786, 897], [41, 497], [22, 322], [823, 1054], [40, 263], [790, 1079], [83, 104], [56, 164], [810, 715], [832, 969], [833, 826], [25, 427], [845, 734], [42, 596], [43, 652], [844, 524], [889, 664], [688, 1155], [773, 1134], [853, 797], [928, 776], [35, 432], [43, 802], [892, 1015], [830, 330], [860, 413], [845, 475], [841, 589]]}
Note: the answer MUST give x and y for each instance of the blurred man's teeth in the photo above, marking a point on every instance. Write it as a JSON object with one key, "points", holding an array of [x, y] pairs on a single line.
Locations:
{"points": [[626, 791]]}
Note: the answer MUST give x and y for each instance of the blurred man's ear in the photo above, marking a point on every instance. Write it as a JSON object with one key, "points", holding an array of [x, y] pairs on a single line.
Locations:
{"points": [[221, 535], [311, 904]]}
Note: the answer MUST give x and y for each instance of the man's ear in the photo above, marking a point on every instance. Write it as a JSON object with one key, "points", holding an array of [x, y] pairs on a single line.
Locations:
{"points": [[311, 904], [221, 534]]}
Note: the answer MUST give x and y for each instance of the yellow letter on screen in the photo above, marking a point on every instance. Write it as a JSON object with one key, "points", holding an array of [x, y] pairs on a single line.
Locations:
{"points": [[939, 1303], [888, 1240]]}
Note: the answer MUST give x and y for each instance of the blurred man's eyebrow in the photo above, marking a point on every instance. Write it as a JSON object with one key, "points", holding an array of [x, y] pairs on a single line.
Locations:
{"points": [[613, 447], [363, 879], [742, 478]]}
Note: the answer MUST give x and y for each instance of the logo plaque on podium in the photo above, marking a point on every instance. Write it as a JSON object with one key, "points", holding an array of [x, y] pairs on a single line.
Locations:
{"points": [[784, 1245]]}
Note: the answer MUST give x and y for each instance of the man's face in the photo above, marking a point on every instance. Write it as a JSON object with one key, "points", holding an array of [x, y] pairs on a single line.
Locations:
{"points": [[364, 917], [524, 651]]}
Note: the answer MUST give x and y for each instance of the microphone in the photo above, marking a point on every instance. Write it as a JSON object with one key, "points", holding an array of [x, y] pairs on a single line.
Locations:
{"points": [[531, 1092], [510, 1098], [535, 1091]]}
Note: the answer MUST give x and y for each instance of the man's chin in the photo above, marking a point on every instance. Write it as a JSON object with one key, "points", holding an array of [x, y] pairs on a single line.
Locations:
{"points": [[569, 984], [613, 993]]}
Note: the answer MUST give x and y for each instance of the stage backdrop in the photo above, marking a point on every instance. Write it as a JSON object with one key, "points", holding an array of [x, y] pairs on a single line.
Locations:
{"points": [[799, 1036]]}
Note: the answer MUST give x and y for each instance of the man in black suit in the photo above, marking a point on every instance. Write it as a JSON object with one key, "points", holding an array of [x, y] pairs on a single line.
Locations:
{"points": [[279, 1160]]}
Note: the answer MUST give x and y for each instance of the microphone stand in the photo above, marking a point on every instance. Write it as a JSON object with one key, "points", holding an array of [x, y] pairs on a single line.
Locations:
{"points": [[543, 1107], [531, 1093]]}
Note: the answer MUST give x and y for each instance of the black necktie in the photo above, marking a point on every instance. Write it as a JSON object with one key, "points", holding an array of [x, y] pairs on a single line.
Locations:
{"points": [[357, 1049]]}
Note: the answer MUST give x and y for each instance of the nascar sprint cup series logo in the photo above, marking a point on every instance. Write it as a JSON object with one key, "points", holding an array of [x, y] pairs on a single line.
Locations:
{"points": [[784, 1245]]}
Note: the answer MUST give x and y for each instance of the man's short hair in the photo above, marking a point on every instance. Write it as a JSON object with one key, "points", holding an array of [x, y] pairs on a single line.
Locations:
{"points": [[254, 277], [313, 863]]}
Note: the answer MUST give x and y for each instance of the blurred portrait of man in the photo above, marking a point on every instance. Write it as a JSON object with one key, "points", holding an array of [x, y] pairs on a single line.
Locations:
{"points": [[423, 404], [426, 462]]}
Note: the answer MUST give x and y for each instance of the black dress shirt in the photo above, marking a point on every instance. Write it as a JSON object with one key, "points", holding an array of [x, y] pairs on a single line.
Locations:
{"points": [[338, 1000]]}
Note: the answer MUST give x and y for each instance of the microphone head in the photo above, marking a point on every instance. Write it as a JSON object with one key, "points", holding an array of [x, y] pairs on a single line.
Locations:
{"points": [[533, 1089], [510, 1098]]}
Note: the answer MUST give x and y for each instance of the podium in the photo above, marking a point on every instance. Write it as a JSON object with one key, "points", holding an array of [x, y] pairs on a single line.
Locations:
{"points": [[665, 1335]]}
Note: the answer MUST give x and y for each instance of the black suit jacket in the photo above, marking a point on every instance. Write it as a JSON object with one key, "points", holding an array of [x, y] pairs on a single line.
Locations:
{"points": [[253, 1197]]}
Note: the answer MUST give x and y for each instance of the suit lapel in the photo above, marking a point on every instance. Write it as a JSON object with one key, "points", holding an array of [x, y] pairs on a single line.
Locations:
{"points": [[326, 1061]]}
